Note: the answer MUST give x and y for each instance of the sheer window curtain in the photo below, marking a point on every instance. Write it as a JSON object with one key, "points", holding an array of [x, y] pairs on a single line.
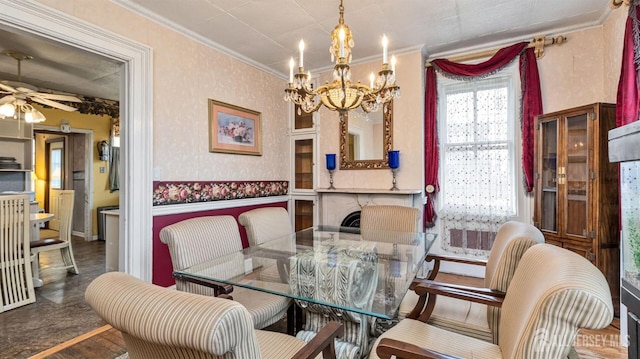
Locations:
{"points": [[478, 173]]}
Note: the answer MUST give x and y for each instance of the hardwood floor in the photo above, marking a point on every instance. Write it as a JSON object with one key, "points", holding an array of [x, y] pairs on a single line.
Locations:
{"points": [[104, 342], [60, 312], [60, 315]]}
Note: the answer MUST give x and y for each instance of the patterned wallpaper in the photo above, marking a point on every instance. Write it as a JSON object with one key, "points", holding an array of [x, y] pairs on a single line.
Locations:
{"points": [[186, 73]]}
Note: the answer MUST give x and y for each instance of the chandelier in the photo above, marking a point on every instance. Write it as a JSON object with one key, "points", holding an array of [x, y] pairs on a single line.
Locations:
{"points": [[342, 95]]}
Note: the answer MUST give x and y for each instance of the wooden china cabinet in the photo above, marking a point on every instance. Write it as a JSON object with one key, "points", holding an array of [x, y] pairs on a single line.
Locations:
{"points": [[576, 187]]}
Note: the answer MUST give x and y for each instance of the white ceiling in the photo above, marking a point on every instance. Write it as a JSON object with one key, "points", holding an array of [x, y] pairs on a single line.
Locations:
{"points": [[265, 33]]}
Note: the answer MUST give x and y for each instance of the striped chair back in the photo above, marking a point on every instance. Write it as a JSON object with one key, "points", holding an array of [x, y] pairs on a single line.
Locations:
{"points": [[265, 224], [158, 323], [554, 292], [197, 240]]}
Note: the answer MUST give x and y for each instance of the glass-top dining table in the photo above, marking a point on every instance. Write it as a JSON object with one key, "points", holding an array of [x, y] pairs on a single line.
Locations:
{"points": [[366, 272]]}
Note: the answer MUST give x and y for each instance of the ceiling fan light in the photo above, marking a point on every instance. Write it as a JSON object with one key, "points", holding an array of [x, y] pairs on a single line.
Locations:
{"points": [[7, 110], [38, 116], [28, 117], [33, 116]]}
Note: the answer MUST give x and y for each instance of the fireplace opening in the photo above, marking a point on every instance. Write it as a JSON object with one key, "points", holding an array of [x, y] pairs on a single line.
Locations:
{"points": [[352, 220]]}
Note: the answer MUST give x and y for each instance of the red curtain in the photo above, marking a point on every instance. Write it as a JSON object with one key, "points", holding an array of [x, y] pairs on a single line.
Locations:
{"points": [[531, 107], [627, 99], [430, 147]]}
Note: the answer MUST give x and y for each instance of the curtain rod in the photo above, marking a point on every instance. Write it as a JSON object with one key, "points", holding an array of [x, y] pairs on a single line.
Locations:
{"points": [[538, 42], [617, 3]]}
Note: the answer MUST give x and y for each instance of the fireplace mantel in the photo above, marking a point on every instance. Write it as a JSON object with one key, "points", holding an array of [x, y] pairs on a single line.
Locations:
{"points": [[370, 191], [337, 204]]}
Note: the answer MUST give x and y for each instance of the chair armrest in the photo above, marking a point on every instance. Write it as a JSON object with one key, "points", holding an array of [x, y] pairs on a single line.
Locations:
{"points": [[439, 258], [480, 290], [323, 342], [218, 288], [429, 292], [390, 347]]}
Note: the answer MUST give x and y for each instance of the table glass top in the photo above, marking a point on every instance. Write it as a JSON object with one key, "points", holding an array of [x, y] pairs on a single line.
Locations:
{"points": [[367, 272]]}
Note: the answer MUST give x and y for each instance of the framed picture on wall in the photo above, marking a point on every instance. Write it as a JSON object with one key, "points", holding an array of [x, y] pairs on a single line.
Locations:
{"points": [[234, 129]]}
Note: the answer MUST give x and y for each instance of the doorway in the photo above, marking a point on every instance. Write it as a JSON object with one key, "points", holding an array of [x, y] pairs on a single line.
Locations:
{"points": [[136, 107], [60, 162]]}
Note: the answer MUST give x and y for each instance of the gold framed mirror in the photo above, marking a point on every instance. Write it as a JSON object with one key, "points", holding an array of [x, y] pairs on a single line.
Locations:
{"points": [[366, 138]]}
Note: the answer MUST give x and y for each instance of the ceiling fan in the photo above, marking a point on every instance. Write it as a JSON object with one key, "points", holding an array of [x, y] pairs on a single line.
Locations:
{"points": [[19, 95]]}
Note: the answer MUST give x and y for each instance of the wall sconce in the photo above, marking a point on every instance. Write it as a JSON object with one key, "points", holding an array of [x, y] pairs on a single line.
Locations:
{"points": [[103, 150]]}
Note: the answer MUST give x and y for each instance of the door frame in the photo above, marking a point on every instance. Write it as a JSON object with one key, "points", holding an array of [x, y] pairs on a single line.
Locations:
{"points": [[136, 116], [88, 173]]}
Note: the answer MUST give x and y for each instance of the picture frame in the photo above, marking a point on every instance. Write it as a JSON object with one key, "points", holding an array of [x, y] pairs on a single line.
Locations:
{"points": [[233, 129]]}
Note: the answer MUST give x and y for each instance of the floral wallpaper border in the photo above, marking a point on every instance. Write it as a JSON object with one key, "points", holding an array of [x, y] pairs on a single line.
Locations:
{"points": [[165, 193]]}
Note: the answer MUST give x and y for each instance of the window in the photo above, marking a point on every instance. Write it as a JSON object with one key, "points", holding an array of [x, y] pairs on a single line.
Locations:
{"points": [[55, 168], [478, 159]]}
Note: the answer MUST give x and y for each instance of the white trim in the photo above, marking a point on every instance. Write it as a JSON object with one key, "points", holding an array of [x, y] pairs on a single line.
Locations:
{"points": [[564, 30], [136, 104], [144, 12], [213, 205]]}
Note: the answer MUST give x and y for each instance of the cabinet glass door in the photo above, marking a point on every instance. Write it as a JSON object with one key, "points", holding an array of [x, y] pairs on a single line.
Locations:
{"points": [[301, 119], [303, 163], [576, 175], [303, 214], [549, 200]]}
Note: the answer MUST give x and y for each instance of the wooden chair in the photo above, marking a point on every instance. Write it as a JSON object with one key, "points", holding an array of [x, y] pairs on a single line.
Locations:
{"points": [[64, 203], [196, 240], [449, 308], [16, 285], [553, 294], [265, 224], [158, 322]]}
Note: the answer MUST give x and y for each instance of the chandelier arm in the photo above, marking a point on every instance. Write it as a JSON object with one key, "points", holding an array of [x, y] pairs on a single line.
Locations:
{"points": [[314, 108]]}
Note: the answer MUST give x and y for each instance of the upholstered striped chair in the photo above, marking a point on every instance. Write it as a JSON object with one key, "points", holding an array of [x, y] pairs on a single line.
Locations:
{"points": [[265, 224], [389, 218], [553, 294], [161, 323], [197, 240], [470, 316]]}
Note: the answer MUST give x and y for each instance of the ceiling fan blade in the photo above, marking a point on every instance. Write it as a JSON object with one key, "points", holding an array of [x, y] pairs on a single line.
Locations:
{"points": [[7, 87], [53, 104], [55, 97], [24, 90], [7, 99]]}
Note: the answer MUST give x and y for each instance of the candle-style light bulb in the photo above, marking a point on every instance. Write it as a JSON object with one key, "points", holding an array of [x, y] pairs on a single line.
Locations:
{"points": [[291, 64], [393, 63], [301, 47], [385, 42], [371, 78], [341, 36]]}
